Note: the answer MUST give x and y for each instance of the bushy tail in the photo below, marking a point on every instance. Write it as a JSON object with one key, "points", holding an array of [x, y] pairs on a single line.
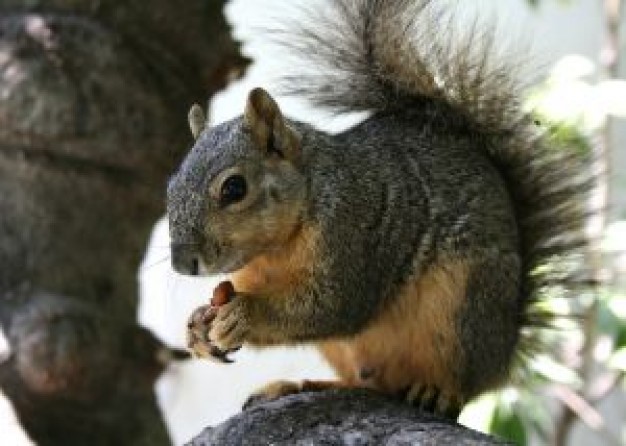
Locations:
{"points": [[381, 55], [389, 55]]}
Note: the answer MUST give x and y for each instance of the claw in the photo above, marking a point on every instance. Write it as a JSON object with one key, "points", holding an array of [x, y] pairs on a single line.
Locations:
{"points": [[253, 400], [220, 355], [432, 399]]}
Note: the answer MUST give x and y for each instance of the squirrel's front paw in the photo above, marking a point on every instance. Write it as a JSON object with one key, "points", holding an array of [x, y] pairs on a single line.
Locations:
{"points": [[215, 330], [230, 327]]}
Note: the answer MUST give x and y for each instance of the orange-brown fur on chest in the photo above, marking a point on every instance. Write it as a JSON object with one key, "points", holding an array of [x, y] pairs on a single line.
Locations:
{"points": [[278, 273], [413, 340]]}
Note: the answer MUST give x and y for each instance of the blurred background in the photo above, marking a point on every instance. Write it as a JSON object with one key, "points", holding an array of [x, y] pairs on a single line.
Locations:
{"points": [[576, 69]]}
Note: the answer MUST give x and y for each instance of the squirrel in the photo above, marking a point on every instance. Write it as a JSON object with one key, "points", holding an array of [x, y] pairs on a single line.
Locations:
{"points": [[413, 248]]}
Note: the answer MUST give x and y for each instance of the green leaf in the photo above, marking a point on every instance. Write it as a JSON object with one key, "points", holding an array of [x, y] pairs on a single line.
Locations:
{"points": [[620, 340], [508, 424], [549, 368], [612, 317]]}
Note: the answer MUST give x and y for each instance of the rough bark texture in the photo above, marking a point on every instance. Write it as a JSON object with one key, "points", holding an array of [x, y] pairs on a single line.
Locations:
{"points": [[93, 102], [346, 417]]}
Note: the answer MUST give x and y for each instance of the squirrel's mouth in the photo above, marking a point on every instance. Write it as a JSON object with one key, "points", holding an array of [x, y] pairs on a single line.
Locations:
{"points": [[194, 259], [196, 266], [224, 263], [227, 267]]}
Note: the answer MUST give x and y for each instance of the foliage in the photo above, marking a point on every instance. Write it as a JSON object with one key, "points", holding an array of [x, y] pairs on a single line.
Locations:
{"points": [[570, 96]]}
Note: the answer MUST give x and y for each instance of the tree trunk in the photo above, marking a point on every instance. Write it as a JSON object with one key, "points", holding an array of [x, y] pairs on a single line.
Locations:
{"points": [[93, 102]]}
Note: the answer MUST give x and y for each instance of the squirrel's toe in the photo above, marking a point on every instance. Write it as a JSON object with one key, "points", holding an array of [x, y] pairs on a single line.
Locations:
{"points": [[230, 327], [432, 399]]}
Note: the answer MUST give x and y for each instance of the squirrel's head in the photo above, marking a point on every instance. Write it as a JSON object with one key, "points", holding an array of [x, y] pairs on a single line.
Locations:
{"points": [[240, 191]]}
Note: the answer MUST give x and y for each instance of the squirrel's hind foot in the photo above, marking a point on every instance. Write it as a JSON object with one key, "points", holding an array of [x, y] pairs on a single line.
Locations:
{"points": [[272, 391], [277, 389], [432, 399]]}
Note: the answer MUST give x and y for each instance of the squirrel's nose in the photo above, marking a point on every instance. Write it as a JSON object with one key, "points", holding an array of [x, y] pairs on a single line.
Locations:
{"points": [[185, 259]]}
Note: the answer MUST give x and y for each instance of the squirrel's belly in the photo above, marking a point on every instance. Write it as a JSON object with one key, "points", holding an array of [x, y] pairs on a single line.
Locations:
{"points": [[413, 341]]}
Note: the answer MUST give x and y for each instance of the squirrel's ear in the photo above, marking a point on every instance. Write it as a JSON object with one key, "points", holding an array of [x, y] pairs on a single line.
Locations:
{"points": [[197, 120], [269, 131]]}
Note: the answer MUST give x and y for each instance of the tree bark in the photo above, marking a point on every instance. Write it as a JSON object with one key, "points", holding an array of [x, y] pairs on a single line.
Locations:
{"points": [[339, 417], [93, 102]]}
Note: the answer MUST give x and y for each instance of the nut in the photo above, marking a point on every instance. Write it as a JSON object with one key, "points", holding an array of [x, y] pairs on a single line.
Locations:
{"points": [[222, 294]]}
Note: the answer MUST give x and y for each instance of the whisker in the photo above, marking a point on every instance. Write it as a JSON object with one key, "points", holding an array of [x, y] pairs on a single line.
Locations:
{"points": [[156, 263]]}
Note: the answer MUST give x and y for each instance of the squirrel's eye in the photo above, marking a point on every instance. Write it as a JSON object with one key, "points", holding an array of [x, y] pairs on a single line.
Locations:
{"points": [[234, 189]]}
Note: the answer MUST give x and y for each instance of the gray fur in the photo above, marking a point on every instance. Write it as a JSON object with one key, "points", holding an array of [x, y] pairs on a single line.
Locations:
{"points": [[405, 58], [447, 167]]}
